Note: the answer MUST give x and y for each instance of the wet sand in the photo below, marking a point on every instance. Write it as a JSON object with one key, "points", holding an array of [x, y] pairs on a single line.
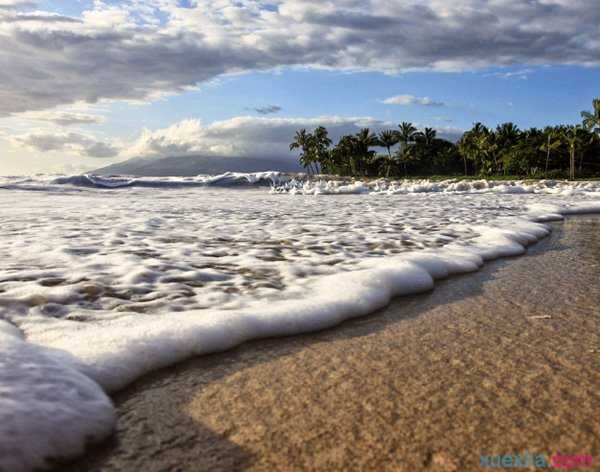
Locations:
{"points": [[503, 361]]}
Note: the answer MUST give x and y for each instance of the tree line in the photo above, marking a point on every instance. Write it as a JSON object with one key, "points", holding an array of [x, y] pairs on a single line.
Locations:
{"points": [[552, 152]]}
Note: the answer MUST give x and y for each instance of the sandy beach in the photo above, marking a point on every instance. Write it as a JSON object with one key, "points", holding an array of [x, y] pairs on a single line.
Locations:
{"points": [[503, 361], [293, 235]]}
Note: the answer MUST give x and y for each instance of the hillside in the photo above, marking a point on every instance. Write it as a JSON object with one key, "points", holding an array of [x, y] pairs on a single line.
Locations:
{"points": [[185, 166]]}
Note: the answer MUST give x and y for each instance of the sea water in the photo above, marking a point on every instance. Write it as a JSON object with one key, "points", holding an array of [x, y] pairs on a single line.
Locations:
{"points": [[104, 279]]}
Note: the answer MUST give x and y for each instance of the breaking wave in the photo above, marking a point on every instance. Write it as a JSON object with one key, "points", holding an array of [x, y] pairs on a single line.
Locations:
{"points": [[223, 180], [114, 182], [298, 184]]}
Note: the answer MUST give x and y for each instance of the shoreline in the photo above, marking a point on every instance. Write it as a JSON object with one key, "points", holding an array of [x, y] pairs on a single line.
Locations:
{"points": [[235, 410], [406, 247]]}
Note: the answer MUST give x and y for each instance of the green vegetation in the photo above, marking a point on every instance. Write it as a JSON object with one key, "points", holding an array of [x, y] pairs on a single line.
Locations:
{"points": [[554, 152]]}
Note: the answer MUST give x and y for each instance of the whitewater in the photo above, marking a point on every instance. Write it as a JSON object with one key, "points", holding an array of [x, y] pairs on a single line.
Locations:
{"points": [[107, 278]]}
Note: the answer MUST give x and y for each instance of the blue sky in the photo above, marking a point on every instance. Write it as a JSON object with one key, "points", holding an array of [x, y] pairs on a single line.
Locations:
{"points": [[84, 84], [539, 97]]}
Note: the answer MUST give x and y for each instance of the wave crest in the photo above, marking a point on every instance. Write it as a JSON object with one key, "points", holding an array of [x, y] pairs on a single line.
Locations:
{"points": [[224, 180]]}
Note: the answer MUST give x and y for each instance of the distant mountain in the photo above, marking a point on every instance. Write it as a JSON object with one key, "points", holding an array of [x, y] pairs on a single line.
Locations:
{"points": [[185, 166]]}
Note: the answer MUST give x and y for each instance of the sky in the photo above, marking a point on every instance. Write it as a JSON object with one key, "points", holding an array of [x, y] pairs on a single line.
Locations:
{"points": [[84, 84]]}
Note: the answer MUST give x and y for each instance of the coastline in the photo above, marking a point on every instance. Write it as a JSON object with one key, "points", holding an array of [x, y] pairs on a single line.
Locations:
{"points": [[284, 236], [429, 383]]}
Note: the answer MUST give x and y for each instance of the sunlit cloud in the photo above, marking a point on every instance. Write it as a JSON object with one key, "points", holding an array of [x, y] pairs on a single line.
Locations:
{"points": [[74, 143]]}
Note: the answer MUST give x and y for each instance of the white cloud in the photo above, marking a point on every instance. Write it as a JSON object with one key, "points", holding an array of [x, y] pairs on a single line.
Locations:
{"points": [[239, 136], [137, 50], [407, 100], [242, 136], [75, 143]]}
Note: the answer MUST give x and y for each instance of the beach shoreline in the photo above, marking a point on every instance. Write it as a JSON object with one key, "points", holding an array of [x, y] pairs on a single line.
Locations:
{"points": [[481, 365]]}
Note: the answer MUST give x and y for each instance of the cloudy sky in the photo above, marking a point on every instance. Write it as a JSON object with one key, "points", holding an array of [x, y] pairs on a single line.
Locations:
{"points": [[88, 83]]}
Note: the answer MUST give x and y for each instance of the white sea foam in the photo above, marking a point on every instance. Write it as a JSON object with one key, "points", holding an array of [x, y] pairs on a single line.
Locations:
{"points": [[336, 187], [73, 182], [119, 349], [120, 282], [48, 408]]}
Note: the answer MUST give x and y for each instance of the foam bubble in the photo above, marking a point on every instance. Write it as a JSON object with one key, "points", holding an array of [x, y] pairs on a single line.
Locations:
{"points": [[48, 408], [117, 351]]}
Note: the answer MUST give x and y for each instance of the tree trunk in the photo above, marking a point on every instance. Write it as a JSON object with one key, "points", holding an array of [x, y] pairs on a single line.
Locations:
{"points": [[547, 158], [572, 165], [389, 162], [465, 162]]}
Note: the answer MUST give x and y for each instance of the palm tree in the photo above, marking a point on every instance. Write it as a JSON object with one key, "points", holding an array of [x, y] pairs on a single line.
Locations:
{"points": [[479, 128], [320, 146], [588, 138], [591, 120], [468, 145], [552, 144], [404, 156], [423, 147], [364, 141], [388, 139], [574, 140], [303, 141], [406, 135], [507, 134], [429, 136], [466, 148], [344, 154], [486, 149]]}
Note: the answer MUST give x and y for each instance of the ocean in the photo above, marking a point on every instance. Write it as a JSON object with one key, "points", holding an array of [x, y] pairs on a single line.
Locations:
{"points": [[107, 278]]}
